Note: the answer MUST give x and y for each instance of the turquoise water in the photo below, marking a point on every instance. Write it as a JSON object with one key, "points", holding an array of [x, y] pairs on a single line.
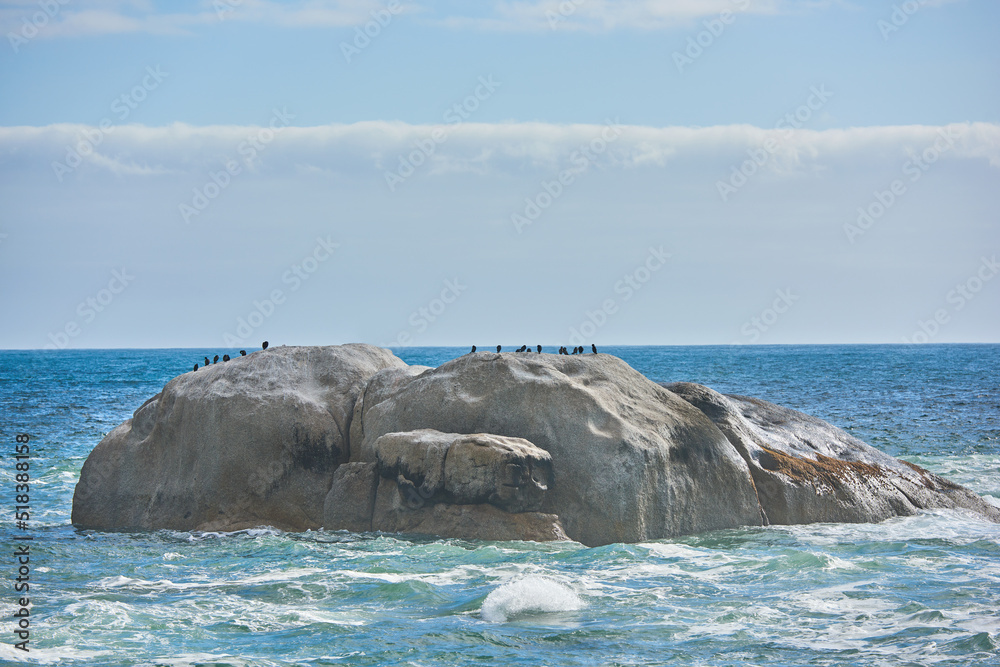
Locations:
{"points": [[921, 590]]}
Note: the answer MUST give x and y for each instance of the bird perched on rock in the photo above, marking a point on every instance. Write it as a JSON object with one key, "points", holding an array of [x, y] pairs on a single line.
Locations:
{"points": [[522, 348], [243, 353], [225, 357], [196, 366], [539, 349], [216, 359], [498, 349], [593, 347], [206, 361], [263, 345], [473, 349]]}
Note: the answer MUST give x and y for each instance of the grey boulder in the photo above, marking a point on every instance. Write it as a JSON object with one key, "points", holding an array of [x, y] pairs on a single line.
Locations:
{"points": [[805, 470], [252, 441], [471, 486], [486, 446], [630, 460]]}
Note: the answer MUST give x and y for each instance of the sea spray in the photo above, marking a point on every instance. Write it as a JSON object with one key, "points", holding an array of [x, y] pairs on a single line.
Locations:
{"points": [[532, 594]]}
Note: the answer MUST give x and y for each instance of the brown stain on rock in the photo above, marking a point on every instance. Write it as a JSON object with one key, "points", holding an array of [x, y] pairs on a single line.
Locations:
{"points": [[824, 470], [929, 479]]}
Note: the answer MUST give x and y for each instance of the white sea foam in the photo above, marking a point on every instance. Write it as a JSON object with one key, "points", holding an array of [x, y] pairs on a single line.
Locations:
{"points": [[955, 525], [281, 575], [531, 594], [674, 550], [47, 656], [184, 660]]}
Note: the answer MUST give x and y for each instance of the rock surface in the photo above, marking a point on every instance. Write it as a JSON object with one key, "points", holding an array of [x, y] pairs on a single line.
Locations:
{"points": [[251, 441], [510, 473], [806, 470], [631, 461], [486, 446], [475, 486]]}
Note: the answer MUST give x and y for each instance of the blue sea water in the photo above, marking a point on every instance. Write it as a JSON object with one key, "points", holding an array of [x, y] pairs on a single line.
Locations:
{"points": [[922, 590]]}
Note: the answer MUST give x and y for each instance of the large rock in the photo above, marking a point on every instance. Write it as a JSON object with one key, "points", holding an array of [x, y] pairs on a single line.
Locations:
{"points": [[630, 460], [806, 470], [251, 441], [486, 446]]}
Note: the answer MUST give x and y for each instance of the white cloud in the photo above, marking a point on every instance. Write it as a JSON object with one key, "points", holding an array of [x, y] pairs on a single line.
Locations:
{"points": [[98, 17], [102, 17], [599, 15], [503, 148]]}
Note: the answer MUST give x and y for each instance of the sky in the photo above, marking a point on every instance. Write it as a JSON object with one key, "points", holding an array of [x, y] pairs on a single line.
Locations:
{"points": [[677, 172]]}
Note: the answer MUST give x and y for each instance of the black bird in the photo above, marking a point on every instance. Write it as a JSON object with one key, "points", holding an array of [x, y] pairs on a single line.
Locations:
{"points": [[216, 360], [593, 347], [562, 350], [263, 345], [225, 357], [206, 361], [522, 348], [539, 349], [498, 349], [473, 349], [243, 353], [196, 366]]}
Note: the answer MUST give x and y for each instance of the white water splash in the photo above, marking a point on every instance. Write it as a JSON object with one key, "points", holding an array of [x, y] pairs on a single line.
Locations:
{"points": [[532, 594]]}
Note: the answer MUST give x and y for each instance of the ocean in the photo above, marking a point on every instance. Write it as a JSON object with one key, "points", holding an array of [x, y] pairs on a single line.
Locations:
{"points": [[921, 590]]}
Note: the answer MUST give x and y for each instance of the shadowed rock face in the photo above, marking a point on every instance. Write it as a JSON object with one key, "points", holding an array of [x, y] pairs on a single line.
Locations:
{"points": [[510, 473], [253, 441], [485, 446]]}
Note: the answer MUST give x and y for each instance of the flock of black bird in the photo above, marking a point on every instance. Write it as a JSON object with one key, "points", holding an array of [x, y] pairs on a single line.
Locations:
{"points": [[538, 348], [225, 357], [524, 348]]}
